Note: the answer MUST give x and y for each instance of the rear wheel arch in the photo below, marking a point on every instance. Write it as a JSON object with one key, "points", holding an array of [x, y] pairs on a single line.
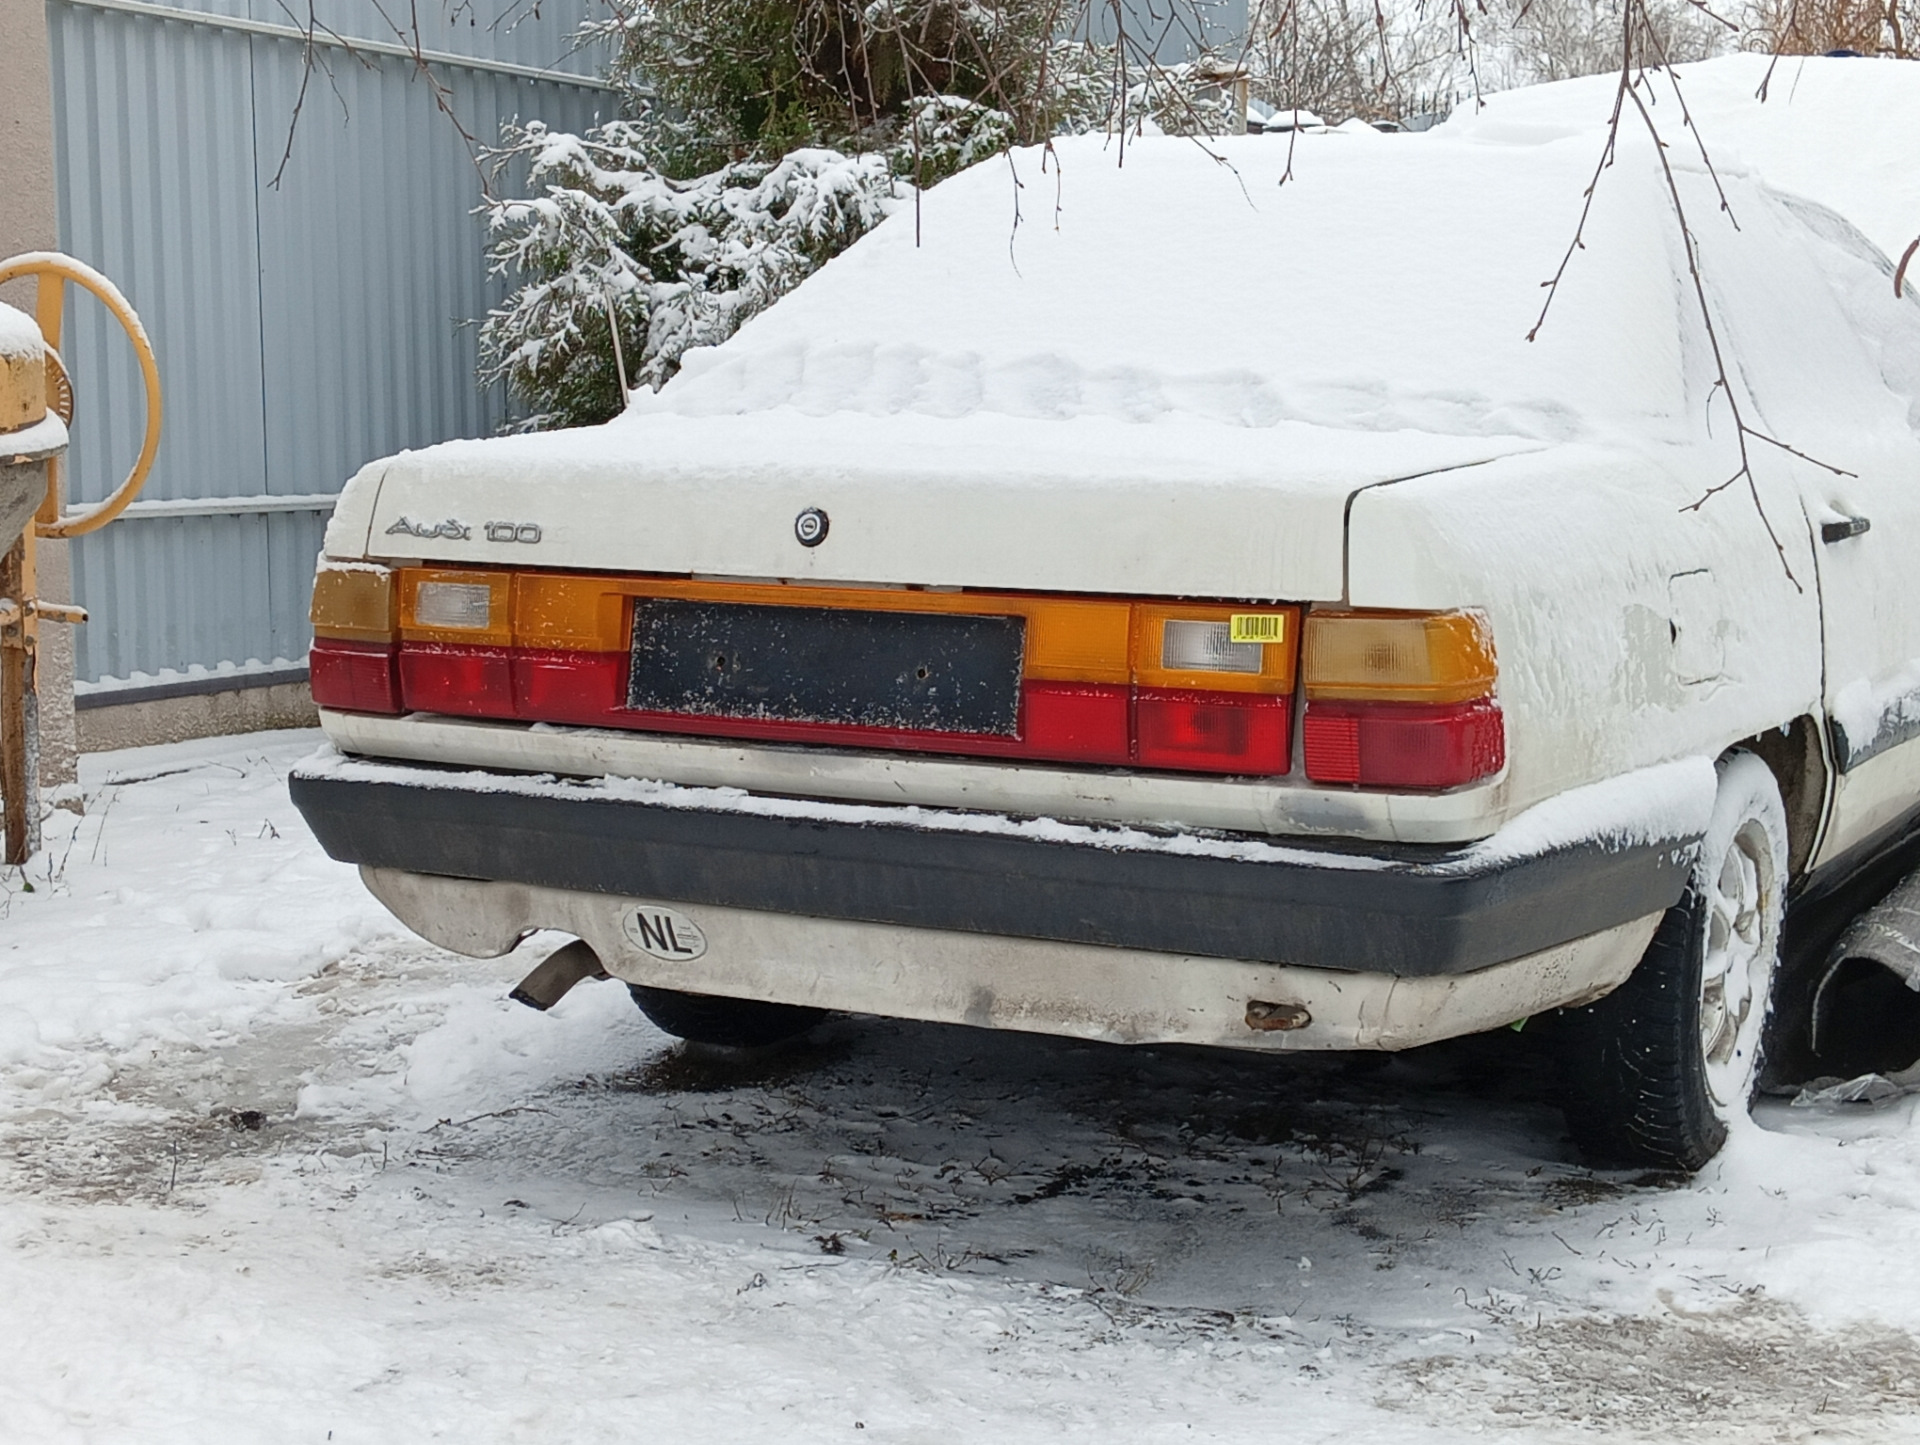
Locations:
{"points": [[1796, 754]]}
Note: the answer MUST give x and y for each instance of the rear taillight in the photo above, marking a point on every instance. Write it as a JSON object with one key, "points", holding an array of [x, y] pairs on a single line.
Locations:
{"points": [[1213, 688], [1404, 745], [568, 687], [1211, 732], [1077, 724], [354, 676], [1393, 699], [470, 681], [457, 607], [353, 665], [1401, 700], [354, 602]]}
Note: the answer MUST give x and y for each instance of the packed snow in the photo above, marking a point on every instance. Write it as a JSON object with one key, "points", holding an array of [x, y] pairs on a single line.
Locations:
{"points": [[274, 1170], [1876, 713]]}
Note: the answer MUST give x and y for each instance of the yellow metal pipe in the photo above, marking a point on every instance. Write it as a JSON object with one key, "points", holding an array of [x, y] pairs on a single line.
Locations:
{"points": [[52, 268]]}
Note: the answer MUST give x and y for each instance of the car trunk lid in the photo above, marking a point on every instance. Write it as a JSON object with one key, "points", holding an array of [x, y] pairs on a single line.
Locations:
{"points": [[1163, 509]]}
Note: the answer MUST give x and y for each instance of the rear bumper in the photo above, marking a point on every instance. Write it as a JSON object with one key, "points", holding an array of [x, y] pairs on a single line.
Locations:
{"points": [[1079, 990], [1392, 912]]}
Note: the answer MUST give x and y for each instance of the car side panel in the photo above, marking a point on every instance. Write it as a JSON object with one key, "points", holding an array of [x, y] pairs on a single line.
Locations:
{"points": [[1628, 629]]}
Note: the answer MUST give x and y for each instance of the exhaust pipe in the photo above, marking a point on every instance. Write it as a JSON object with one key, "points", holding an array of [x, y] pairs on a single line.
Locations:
{"points": [[572, 963]]}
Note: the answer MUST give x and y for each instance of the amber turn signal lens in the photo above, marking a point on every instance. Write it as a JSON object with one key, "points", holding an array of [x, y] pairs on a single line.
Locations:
{"points": [[1431, 657], [1073, 641], [573, 614], [353, 603]]}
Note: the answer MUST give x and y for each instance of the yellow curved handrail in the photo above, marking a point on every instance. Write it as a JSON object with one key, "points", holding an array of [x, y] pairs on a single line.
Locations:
{"points": [[52, 268]]}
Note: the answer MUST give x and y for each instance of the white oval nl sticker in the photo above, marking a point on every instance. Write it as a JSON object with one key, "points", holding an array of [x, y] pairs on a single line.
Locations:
{"points": [[664, 932]]}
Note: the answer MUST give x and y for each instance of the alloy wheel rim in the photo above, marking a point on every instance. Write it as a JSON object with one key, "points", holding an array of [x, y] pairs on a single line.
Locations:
{"points": [[1740, 944]]}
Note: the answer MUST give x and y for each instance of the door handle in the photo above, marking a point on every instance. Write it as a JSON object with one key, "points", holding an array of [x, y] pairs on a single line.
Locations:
{"points": [[1840, 531]]}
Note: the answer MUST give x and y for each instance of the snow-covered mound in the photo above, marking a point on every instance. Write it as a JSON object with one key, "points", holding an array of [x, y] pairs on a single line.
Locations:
{"points": [[1390, 284]]}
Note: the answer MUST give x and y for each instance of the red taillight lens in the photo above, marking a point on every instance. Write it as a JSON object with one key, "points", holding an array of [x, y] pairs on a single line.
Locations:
{"points": [[1070, 723], [1404, 745], [1211, 732], [569, 687], [465, 681], [353, 676]]}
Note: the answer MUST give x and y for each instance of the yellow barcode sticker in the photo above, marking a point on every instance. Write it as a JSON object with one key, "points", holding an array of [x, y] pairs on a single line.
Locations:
{"points": [[1257, 627]]}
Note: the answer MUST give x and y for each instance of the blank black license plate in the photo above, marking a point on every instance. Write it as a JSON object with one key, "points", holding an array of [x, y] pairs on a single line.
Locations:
{"points": [[920, 671]]}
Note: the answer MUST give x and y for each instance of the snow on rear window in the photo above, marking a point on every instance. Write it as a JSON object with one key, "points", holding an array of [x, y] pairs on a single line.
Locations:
{"points": [[1389, 285]]}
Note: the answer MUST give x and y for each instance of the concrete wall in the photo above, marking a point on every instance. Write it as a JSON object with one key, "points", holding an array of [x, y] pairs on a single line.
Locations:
{"points": [[201, 715], [27, 218], [29, 221]]}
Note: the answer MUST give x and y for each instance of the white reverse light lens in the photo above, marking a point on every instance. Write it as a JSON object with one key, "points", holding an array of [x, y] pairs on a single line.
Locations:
{"points": [[1206, 647], [454, 604]]}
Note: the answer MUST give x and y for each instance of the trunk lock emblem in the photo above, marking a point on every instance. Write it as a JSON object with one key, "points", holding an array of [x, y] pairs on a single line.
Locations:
{"points": [[811, 527]]}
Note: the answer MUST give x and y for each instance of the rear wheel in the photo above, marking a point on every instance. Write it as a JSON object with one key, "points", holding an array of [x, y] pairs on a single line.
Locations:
{"points": [[732, 1023], [1655, 1071]]}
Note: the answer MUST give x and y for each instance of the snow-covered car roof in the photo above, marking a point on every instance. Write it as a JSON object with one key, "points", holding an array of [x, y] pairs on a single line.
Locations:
{"points": [[1350, 280], [1389, 285], [1842, 131]]}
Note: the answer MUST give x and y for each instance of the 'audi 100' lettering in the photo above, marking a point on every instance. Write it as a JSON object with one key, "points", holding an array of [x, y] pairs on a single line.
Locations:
{"points": [[513, 532]]}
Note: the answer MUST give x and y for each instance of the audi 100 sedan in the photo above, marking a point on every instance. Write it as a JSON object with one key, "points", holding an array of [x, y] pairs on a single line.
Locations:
{"points": [[1193, 612]]}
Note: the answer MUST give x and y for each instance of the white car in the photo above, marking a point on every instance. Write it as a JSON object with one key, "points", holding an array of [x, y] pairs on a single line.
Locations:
{"points": [[1088, 626]]}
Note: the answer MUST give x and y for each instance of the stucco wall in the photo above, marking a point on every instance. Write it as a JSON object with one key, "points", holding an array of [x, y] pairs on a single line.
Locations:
{"points": [[210, 714], [29, 221]]}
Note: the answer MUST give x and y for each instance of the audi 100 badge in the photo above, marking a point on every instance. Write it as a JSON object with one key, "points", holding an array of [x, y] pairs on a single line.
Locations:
{"points": [[811, 527]]}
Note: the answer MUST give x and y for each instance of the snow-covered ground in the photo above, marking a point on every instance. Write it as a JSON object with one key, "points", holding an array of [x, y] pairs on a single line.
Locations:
{"points": [[274, 1170]]}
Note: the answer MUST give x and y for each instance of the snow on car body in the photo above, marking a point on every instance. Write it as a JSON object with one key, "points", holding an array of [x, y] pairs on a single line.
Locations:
{"points": [[1191, 610]]}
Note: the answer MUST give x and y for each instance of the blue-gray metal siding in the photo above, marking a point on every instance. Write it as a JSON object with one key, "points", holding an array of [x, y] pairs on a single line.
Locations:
{"points": [[301, 330]]}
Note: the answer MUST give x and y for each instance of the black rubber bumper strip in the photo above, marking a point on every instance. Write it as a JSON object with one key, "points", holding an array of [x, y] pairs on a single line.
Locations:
{"points": [[1418, 913]]}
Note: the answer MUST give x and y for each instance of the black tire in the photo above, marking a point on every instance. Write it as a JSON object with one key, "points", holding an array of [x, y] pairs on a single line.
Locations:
{"points": [[730, 1023], [1655, 1072]]}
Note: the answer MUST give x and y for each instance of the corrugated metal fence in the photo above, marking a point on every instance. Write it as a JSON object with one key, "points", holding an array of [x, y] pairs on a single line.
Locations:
{"points": [[301, 329]]}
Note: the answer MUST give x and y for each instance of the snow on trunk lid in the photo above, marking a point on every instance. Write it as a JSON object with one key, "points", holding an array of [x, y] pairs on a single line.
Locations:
{"points": [[1172, 510]]}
